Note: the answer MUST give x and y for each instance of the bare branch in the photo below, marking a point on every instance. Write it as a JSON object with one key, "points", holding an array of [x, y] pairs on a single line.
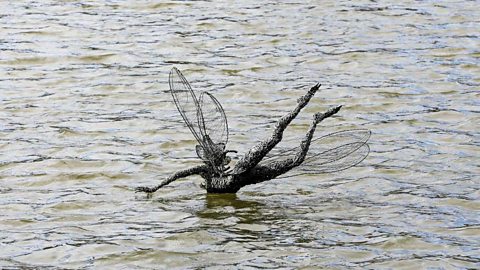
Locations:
{"points": [[177, 175], [271, 169], [256, 154], [260, 163]]}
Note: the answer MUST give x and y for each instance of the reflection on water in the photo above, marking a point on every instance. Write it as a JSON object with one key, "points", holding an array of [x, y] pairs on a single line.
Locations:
{"points": [[85, 116], [224, 206]]}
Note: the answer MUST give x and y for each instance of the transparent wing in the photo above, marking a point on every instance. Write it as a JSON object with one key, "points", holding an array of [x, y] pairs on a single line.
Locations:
{"points": [[330, 153], [331, 165], [186, 102], [204, 116], [212, 120]]}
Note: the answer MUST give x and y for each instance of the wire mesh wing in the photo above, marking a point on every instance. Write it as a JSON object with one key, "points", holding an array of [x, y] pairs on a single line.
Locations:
{"points": [[204, 116], [186, 102], [330, 153], [212, 120]]}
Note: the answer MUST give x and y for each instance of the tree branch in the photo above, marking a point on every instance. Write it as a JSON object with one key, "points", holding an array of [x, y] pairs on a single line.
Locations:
{"points": [[248, 171], [258, 152], [274, 169], [177, 175]]}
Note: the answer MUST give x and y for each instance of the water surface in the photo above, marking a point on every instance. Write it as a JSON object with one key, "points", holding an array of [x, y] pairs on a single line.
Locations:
{"points": [[85, 116]]}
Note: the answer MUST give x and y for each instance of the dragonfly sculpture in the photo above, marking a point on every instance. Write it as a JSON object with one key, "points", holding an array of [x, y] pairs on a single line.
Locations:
{"points": [[204, 116]]}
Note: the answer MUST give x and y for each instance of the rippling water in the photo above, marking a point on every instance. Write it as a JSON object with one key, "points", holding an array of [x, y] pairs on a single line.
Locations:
{"points": [[85, 117]]}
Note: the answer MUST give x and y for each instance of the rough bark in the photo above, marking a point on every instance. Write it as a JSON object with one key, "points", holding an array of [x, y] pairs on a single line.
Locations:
{"points": [[258, 173], [177, 175], [258, 152]]}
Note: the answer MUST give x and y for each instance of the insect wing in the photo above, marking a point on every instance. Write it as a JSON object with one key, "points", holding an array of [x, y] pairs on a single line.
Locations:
{"points": [[330, 153], [186, 102], [212, 120], [357, 152]]}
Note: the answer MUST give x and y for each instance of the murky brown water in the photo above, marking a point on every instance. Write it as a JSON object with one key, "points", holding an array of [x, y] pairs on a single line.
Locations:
{"points": [[85, 117]]}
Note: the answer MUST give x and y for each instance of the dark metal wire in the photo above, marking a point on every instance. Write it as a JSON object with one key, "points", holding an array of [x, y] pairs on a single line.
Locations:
{"points": [[205, 118], [329, 153]]}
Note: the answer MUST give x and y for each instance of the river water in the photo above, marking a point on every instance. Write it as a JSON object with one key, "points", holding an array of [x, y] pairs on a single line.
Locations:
{"points": [[85, 116]]}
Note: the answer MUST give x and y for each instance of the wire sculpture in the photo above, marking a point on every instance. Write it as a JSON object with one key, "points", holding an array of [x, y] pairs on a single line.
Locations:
{"points": [[206, 119]]}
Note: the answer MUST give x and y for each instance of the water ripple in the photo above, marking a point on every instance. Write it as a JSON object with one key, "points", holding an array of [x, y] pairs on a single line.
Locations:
{"points": [[85, 116]]}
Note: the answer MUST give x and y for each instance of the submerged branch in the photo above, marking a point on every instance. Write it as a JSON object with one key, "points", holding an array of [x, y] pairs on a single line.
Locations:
{"points": [[250, 169]]}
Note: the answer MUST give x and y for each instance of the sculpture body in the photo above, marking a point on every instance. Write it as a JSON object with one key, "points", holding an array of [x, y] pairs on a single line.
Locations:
{"points": [[207, 121]]}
